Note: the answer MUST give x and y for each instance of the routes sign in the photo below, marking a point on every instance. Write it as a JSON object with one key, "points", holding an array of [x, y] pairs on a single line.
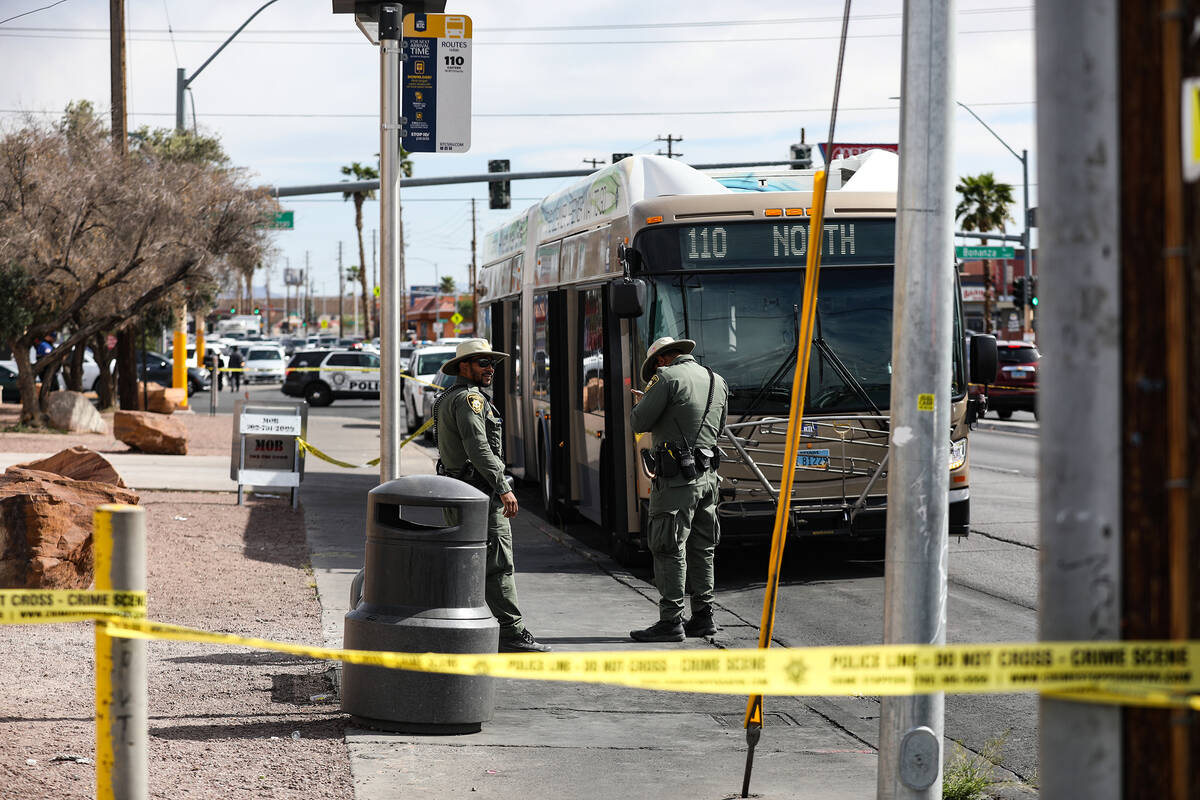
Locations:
{"points": [[435, 98], [985, 252]]}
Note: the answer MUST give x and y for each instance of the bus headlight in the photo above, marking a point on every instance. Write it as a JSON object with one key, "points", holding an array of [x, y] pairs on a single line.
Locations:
{"points": [[958, 454]]}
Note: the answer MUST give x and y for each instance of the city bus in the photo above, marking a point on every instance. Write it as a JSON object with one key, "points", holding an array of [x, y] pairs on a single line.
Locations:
{"points": [[717, 258]]}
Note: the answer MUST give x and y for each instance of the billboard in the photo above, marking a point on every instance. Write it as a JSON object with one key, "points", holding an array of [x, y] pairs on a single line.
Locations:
{"points": [[847, 149]]}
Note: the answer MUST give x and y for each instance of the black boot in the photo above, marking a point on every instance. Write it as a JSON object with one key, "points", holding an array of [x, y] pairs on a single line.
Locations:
{"points": [[701, 624], [522, 642], [661, 631]]}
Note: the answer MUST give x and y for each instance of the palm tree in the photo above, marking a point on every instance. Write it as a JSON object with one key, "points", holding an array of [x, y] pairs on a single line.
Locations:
{"points": [[984, 207], [447, 285], [366, 173]]}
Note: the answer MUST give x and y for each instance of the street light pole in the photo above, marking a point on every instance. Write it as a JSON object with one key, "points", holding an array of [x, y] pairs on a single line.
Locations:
{"points": [[1024, 159], [182, 82]]}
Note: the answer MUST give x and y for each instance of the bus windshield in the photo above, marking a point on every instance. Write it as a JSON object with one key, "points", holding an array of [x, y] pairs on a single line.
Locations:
{"points": [[745, 325]]}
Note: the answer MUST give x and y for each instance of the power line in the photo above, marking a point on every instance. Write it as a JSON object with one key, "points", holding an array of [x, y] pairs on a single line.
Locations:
{"points": [[535, 114], [724, 23], [249, 40]]}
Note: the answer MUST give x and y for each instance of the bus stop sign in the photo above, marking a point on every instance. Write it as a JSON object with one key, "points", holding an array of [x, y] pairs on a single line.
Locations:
{"points": [[435, 95]]}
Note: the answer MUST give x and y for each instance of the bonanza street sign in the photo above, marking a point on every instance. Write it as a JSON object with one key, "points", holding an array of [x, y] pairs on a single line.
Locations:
{"points": [[985, 252]]}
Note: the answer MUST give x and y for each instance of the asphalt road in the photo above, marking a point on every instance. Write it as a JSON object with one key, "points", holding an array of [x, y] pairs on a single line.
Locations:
{"points": [[829, 596]]}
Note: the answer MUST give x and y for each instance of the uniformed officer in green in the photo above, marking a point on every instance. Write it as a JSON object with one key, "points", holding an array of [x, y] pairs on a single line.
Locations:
{"points": [[470, 443], [683, 407]]}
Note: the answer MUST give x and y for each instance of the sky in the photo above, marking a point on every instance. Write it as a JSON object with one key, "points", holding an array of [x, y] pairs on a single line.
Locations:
{"points": [[295, 96]]}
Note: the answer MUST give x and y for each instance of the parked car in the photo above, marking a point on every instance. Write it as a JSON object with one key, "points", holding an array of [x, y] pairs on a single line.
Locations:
{"points": [[9, 391], [322, 376], [424, 364], [1016, 382], [264, 363], [158, 369]]}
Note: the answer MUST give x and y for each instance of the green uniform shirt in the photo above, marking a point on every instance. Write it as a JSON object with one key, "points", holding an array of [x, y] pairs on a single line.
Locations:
{"points": [[674, 400], [469, 429]]}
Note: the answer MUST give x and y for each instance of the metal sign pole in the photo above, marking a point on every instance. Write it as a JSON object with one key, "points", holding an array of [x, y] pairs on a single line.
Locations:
{"points": [[390, 276]]}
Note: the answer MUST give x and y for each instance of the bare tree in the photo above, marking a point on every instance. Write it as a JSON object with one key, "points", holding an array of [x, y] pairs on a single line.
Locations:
{"points": [[99, 238]]}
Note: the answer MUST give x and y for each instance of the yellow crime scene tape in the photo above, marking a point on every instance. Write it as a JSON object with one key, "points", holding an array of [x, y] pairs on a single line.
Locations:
{"points": [[308, 447], [1150, 673], [22, 606]]}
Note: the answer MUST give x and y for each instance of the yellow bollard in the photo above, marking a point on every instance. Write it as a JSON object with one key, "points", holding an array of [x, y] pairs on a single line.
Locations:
{"points": [[122, 725]]}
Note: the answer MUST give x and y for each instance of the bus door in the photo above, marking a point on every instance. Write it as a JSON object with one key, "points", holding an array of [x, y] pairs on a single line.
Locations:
{"points": [[506, 328], [590, 403], [550, 395]]}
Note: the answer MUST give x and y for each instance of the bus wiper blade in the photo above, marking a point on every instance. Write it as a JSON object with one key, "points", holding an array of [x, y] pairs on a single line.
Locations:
{"points": [[845, 374], [769, 383]]}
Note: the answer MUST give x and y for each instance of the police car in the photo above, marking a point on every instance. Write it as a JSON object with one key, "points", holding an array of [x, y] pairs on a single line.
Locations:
{"points": [[322, 376]]}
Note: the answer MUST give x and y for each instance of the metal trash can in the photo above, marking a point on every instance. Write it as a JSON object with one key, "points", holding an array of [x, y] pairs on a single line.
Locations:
{"points": [[423, 591]]}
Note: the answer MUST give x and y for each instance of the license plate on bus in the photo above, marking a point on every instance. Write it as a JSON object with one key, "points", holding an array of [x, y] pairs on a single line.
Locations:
{"points": [[813, 459]]}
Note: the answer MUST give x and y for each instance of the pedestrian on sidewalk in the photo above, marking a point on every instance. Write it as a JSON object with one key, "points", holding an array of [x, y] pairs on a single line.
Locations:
{"points": [[212, 360], [236, 362], [469, 435], [684, 408]]}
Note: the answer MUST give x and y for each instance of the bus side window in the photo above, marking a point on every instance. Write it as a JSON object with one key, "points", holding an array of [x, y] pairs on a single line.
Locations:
{"points": [[591, 350]]}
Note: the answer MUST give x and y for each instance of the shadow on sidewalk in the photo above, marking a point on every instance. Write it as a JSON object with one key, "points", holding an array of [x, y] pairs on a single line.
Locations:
{"points": [[274, 532], [329, 728]]}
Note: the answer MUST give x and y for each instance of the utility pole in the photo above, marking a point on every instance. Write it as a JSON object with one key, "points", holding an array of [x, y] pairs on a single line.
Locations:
{"points": [[392, 245], [341, 294], [669, 139], [1158, 281], [474, 287], [911, 728], [595, 162], [1081, 453], [127, 379]]}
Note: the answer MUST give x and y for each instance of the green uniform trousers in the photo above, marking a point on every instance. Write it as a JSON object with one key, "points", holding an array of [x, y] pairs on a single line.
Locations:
{"points": [[683, 536], [500, 584]]}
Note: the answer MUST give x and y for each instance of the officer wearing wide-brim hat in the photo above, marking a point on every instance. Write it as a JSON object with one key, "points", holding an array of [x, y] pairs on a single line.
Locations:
{"points": [[470, 437], [683, 408]]}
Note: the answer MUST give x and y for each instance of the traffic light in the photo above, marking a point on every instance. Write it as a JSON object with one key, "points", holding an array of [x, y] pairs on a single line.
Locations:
{"points": [[803, 153], [233, 309], [1018, 291], [498, 192], [1033, 293]]}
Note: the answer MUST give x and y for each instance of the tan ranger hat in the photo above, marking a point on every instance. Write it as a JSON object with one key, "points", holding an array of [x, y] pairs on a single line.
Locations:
{"points": [[660, 346], [471, 348]]}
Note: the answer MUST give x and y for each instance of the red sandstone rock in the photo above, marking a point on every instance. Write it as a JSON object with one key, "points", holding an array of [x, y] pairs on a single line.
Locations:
{"points": [[78, 463], [151, 433], [46, 528]]}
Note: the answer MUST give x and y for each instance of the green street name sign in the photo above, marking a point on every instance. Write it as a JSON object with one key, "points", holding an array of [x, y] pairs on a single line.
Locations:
{"points": [[283, 221], [985, 252]]}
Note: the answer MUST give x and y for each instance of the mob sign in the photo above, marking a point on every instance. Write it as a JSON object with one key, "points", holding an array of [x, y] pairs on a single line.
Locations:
{"points": [[266, 447]]}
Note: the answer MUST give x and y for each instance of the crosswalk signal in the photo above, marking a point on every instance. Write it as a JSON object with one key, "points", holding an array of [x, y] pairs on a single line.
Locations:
{"points": [[498, 191], [803, 153], [1018, 291]]}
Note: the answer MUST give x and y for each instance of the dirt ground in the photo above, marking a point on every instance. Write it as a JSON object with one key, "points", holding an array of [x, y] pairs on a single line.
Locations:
{"points": [[225, 722]]}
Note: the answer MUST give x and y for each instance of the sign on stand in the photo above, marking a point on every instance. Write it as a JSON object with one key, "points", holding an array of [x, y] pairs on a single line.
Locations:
{"points": [[435, 98], [266, 445]]}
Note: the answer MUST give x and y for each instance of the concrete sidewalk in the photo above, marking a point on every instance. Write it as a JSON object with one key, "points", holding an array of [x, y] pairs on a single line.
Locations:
{"points": [[572, 740], [551, 739]]}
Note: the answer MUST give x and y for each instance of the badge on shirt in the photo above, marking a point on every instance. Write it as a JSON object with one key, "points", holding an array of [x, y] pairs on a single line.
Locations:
{"points": [[476, 403], [653, 380]]}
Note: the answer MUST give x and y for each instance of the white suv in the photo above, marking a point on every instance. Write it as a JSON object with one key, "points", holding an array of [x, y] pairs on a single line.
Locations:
{"points": [[424, 365]]}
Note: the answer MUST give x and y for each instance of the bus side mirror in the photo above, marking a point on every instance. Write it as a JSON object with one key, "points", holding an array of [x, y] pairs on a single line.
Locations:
{"points": [[984, 359], [628, 298]]}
